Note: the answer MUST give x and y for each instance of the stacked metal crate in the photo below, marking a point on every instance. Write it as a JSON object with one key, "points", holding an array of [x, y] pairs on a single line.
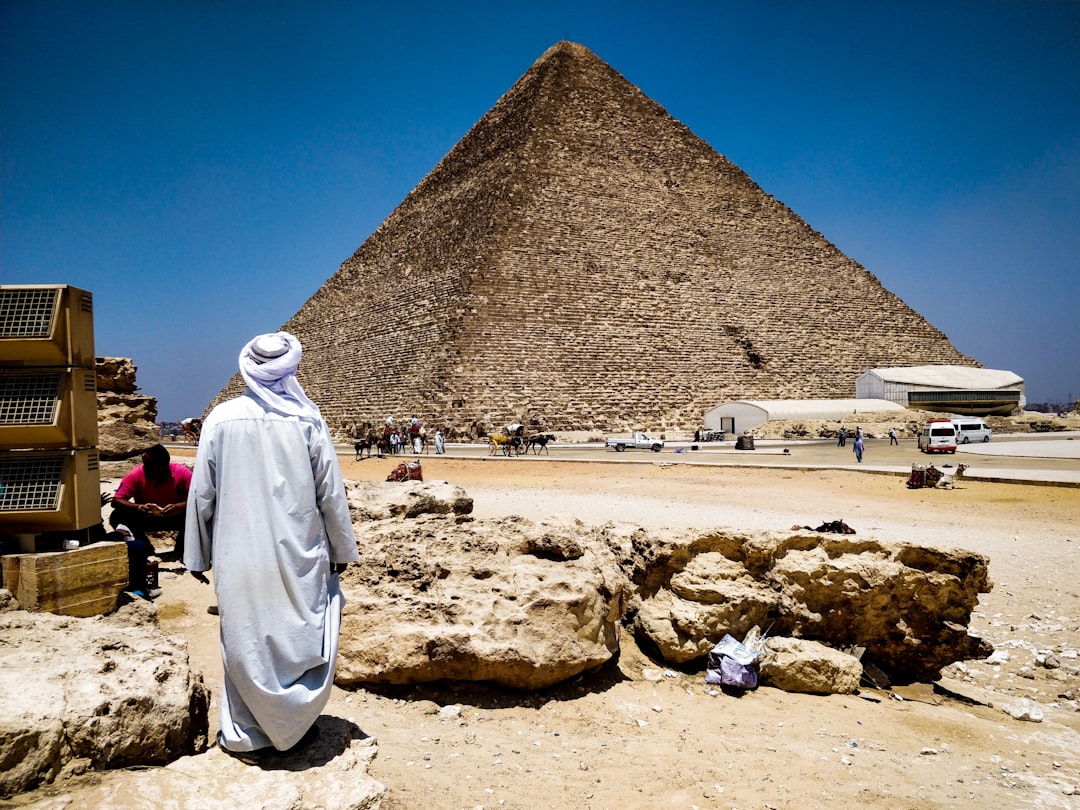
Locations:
{"points": [[49, 476]]}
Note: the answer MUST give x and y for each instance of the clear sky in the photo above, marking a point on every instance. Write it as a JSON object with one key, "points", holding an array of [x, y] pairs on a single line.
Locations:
{"points": [[203, 167]]}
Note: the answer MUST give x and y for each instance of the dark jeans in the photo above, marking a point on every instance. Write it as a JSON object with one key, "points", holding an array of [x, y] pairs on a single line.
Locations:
{"points": [[140, 523]]}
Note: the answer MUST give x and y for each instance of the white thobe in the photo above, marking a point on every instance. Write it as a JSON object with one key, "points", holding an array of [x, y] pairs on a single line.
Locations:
{"points": [[268, 511]]}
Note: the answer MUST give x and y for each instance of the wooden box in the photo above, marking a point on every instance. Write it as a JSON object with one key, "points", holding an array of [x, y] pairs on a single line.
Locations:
{"points": [[85, 581]]}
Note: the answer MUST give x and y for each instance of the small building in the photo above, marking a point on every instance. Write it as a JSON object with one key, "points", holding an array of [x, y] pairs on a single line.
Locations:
{"points": [[946, 389], [742, 415]]}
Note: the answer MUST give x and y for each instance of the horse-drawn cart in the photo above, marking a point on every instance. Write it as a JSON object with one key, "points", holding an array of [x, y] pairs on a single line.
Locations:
{"points": [[510, 443], [514, 442]]}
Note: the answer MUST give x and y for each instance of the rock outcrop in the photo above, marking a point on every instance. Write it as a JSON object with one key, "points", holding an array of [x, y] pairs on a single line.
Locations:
{"points": [[379, 500], [445, 597], [127, 421], [527, 605], [508, 601], [907, 605], [330, 774], [93, 693]]}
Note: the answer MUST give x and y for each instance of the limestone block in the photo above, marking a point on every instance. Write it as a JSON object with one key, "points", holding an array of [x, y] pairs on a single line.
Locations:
{"points": [[520, 604], [82, 582], [801, 665], [106, 692]]}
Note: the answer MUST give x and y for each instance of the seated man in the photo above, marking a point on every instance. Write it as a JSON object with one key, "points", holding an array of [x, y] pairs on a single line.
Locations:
{"points": [[153, 497]]}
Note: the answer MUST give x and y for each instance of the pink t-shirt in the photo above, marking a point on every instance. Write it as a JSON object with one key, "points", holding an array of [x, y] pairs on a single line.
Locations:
{"points": [[138, 488]]}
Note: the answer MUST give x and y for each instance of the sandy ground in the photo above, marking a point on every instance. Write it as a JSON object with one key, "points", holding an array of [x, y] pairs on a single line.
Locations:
{"points": [[640, 735]]}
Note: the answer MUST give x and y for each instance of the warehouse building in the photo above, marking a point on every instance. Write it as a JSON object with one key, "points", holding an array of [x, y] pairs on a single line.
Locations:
{"points": [[946, 389], [745, 414]]}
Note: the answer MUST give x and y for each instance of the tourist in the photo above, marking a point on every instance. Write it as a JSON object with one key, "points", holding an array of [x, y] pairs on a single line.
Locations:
{"points": [[153, 497], [416, 435], [858, 447], [268, 512], [841, 437], [892, 437]]}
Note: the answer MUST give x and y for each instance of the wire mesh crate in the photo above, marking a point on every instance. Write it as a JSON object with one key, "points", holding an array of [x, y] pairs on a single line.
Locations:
{"points": [[49, 490], [46, 325], [48, 408]]}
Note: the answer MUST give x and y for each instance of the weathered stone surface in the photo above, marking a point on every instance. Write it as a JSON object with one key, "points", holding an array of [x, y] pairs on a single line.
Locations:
{"points": [[908, 605], [115, 375], [800, 665], [520, 604], [330, 774], [98, 692], [126, 425], [574, 230], [378, 500]]}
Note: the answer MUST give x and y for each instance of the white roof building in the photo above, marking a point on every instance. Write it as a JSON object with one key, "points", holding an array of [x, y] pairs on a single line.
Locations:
{"points": [[950, 389], [744, 414]]}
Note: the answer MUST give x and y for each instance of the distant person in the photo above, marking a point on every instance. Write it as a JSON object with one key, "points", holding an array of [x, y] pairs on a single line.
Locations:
{"points": [[384, 442], [892, 437], [841, 437], [269, 513], [153, 497], [416, 435], [858, 448], [858, 432], [438, 443]]}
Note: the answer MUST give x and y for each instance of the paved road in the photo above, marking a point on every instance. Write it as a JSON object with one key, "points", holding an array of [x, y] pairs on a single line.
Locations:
{"points": [[1051, 459]]}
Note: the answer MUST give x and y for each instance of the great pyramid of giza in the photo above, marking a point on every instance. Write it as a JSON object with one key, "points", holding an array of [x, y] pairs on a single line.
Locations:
{"points": [[580, 260]]}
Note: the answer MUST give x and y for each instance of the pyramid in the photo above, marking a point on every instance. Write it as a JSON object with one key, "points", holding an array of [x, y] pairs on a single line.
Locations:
{"points": [[581, 261]]}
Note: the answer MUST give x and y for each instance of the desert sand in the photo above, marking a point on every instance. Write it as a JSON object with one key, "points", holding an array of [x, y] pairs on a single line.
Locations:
{"points": [[639, 734]]}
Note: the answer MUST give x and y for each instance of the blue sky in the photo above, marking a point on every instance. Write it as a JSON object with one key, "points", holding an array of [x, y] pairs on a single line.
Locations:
{"points": [[203, 167]]}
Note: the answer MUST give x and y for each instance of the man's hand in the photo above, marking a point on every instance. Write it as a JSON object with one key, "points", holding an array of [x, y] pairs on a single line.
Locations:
{"points": [[199, 575]]}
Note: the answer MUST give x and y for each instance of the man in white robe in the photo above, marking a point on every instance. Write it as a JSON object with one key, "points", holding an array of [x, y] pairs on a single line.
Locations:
{"points": [[268, 512]]}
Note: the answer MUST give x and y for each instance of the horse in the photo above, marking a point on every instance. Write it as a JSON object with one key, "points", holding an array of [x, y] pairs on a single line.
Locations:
{"points": [[539, 442], [364, 444]]}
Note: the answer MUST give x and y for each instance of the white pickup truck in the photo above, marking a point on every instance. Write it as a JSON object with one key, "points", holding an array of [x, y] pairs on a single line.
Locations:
{"points": [[639, 441]]}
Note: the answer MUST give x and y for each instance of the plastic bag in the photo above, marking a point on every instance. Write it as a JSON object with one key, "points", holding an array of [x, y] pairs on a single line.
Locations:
{"points": [[732, 664]]}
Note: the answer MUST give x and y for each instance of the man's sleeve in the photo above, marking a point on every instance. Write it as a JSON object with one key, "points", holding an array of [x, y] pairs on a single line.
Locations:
{"points": [[201, 503], [331, 497], [130, 485]]}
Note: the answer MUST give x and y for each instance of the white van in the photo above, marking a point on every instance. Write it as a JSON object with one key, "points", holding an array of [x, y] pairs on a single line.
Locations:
{"points": [[971, 430], [938, 436]]}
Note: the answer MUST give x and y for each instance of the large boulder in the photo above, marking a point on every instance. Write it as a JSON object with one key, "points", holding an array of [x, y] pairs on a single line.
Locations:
{"points": [[379, 500], [908, 605], [102, 692], [519, 604], [800, 665]]}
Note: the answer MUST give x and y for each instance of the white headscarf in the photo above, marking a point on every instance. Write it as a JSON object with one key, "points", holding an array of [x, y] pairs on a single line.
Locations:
{"points": [[268, 364]]}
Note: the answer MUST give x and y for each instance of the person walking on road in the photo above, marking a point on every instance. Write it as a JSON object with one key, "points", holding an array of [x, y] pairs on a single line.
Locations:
{"points": [[858, 448], [841, 437], [892, 437]]}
